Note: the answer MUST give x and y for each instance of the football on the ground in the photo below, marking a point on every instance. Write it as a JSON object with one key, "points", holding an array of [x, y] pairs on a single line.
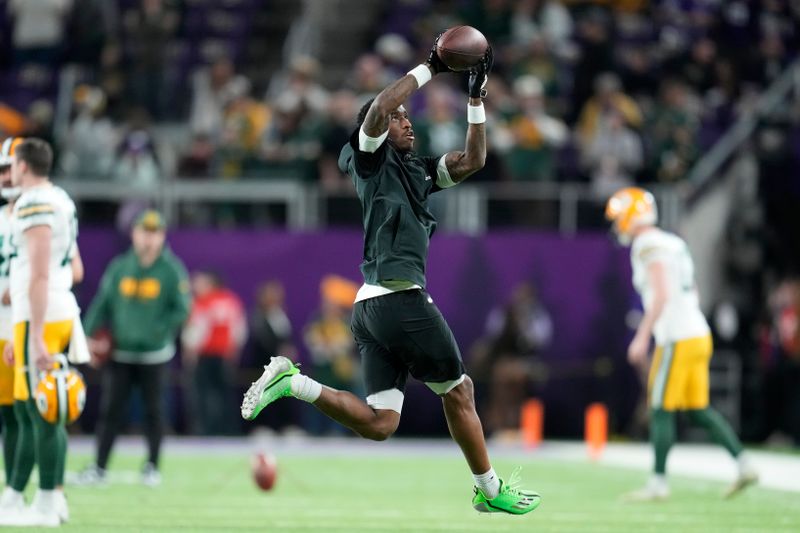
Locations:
{"points": [[265, 470], [461, 47]]}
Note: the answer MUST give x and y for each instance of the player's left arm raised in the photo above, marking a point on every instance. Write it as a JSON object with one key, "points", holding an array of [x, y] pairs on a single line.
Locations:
{"points": [[461, 164]]}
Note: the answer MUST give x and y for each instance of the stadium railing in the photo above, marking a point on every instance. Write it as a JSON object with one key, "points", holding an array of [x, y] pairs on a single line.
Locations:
{"points": [[470, 208]]}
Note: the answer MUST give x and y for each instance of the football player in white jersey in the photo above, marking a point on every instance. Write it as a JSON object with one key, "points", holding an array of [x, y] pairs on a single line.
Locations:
{"points": [[10, 426], [663, 275], [44, 231]]}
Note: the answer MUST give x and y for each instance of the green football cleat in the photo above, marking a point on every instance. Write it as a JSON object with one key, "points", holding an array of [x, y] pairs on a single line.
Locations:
{"points": [[274, 383], [509, 500]]}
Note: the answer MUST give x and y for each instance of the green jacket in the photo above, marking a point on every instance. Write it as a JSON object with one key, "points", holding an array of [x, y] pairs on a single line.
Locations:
{"points": [[143, 307]]}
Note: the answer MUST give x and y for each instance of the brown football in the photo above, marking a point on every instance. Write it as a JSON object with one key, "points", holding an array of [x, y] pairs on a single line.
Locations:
{"points": [[461, 47], [265, 470]]}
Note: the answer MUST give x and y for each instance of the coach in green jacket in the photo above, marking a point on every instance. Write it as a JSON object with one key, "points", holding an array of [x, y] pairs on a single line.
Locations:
{"points": [[143, 300]]}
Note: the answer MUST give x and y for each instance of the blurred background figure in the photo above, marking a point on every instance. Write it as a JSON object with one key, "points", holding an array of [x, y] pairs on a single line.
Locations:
{"points": [[270, 327], [88, 152], [143, 301], [150, 29], [507, 358], [212, 88], [271, 334], [39, 26], [334, 356], [137, 161], [212, 340], [781, 360], [535, 136]]}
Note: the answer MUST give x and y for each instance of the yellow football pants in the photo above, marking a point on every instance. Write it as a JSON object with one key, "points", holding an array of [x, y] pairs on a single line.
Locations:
{"points": [[679, 375], [26, 375], [6, 379]]}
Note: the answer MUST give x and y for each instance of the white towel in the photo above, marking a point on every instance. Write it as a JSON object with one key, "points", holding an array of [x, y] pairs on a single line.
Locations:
{"points": [[78, 347]]}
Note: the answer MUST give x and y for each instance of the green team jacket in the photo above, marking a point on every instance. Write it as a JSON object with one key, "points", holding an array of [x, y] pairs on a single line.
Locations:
{"points": [[143, 307]]}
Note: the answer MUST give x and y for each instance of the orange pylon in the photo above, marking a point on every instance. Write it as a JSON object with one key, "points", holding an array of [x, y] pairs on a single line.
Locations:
{"points": [[532, 422], [596, 429]]}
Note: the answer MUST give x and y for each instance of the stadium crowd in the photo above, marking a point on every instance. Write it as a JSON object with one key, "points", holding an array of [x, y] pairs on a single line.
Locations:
{"points": [[609, 92]]}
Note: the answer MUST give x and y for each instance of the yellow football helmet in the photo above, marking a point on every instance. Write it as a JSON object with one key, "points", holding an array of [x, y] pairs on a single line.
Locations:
{"points": [[631, 208], [61, 394], [7, 191]]}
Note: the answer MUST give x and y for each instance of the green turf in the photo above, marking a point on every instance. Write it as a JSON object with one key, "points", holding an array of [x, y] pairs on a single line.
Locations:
{"points": [[216, 493]]}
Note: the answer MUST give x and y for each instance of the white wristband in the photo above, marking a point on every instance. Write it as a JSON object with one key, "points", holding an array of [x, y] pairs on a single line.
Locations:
{"points": [[422, 73], [476, 114]]}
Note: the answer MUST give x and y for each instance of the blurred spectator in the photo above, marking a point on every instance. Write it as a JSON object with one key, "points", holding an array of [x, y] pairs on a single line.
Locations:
{"points": [[536, 136], [547, 20], [212, 88], [340, 125], [608, 103], [89, 28], [197, 161], [782, 378], [493, 17], [212, 340], [149, 30], [696, 67], [88, 152], [334, 356], [244, 122], [640, 73], [613, 156], [441, 129], [302, 81], [369, 76], [596, 54], [673, 132], [40, 120], [291, 144], [271, 335], [536, 59], [137, 163], [515, 335], [270, 328], [768, 62], [38, 34], [395, 52]]}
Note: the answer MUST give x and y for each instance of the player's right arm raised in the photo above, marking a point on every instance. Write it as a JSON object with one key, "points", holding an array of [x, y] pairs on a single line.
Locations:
{"points": [[388, 100]]}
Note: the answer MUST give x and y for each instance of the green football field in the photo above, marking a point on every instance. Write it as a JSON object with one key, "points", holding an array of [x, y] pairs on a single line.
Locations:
{"points": [[214, 492]]}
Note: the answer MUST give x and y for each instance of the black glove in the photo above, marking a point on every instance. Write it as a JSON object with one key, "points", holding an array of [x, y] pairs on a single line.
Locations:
{"points": [[479, 75], [435, 61]]}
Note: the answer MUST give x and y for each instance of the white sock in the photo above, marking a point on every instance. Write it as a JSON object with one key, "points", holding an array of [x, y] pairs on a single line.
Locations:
{"points": [[489, 483], [46, 500], [659, 480], [744, 464], [304, 388], [11, 498]]}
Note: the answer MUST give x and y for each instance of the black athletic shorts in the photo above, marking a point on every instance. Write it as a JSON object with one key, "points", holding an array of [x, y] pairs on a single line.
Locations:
{"points": [[401, 333]]}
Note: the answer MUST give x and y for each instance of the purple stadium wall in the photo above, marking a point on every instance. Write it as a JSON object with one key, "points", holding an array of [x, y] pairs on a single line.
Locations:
{"points": [[583, 281]]}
